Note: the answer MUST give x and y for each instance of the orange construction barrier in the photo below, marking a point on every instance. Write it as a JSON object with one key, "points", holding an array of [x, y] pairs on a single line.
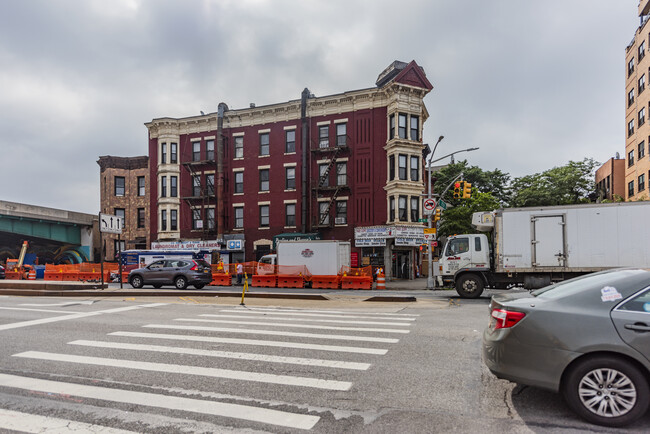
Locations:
{"points": [[221, 279], [356, 282], [290, 281], [264, 280], [325, 282]]}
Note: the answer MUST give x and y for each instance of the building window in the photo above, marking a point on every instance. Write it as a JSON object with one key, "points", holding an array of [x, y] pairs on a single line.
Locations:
{"points": [[239, 147], [120, 213], [341, 212], [210, 218], [196, 151], [642, 116], [630, 159], [403, 216], [630, 67], [174, 220], [641, 51], [119, 246], [323, 213], [391, 128], [196, 185], [401, 160], [163, 186], [197, 223], [323, 175], [119, 186], [209, 149], [163, 153], [401, 126], [341, 173], [415, 209], [630, 98], [630, 128], [209, 184], [264, 216], [415, 168], [264, 144], [641, 84], [290, 214], [264, 179], [341, 134], [641, 185], [140, 217], [391, 212], [630, 189], [323, 136], [141, 187], [239, 182], [173, 153], [641, 148], [290, 178], [173, 187], [163, 220], [391, 167], [239, 217], [415, 128], [290, 141]]}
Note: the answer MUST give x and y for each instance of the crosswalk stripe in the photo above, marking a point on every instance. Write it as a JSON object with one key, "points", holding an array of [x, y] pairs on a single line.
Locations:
{"points": [[213, 408], [297, 326], [335, 321], [255, 342], [227, 354], [301, 313], [274, 333], [287, 380], [29, 309], [343, 312], [34, 423]]}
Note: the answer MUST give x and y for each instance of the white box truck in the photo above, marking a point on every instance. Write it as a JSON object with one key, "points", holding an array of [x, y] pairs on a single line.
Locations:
{"points": [[537, 246], [321, 257]]}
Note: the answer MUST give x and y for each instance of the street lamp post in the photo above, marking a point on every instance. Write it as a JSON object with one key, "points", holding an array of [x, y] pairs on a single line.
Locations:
{"points": [[431, 161]]}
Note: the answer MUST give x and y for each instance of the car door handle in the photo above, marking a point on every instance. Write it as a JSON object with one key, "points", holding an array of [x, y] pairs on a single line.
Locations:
{"points": [[638, 327]]}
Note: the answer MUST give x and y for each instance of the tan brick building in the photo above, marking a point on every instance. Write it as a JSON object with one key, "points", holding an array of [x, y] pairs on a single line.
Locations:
{"points": [[610, 179], [124, 191], [637, 103]]}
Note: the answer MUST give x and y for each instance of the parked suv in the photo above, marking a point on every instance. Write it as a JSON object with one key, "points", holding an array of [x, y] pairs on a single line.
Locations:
{"points": [[177, 272]]}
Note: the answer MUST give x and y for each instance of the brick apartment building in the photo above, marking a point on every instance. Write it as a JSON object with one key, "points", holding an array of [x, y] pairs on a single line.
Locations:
{"points": [[124, 184], [347, 166], [610, 179], [637, 144]]}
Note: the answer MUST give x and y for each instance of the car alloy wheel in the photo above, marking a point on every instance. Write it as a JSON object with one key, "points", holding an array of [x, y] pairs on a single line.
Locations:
{"points": [[607, 392], [180, 282], [136, 282]]}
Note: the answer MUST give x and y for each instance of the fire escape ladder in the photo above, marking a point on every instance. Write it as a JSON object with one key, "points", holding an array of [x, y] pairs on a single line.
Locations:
{"points": [[323, 178], [326, 214]]}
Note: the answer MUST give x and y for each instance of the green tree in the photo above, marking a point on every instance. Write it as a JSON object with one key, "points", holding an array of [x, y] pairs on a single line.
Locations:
{"points": [[458, 220], [494, 182]]}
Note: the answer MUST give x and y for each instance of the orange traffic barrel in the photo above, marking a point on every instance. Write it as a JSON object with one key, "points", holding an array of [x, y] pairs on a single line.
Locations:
{"points": [[381, 281], [32, 274]]}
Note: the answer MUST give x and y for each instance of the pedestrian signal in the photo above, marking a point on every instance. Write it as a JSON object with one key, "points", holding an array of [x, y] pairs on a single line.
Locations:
{"points": [[457, 190], [467, 190]]}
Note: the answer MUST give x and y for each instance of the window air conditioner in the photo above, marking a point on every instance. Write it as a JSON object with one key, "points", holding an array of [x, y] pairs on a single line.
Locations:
{"points": [[340, 220]]}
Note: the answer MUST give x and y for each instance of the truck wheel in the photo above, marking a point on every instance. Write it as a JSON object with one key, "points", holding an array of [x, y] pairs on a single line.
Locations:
{"points": [[469, 286]]}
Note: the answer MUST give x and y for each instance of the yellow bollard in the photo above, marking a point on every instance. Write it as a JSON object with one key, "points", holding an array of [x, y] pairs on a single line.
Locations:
{"points": [[244, 290]]}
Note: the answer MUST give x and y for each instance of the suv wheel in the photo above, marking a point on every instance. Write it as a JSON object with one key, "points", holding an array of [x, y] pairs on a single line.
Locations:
{"points": [[180, 282], [136, 281]]}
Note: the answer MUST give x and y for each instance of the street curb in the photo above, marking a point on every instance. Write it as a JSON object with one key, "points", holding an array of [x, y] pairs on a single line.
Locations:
{"points": [[392, 298]]}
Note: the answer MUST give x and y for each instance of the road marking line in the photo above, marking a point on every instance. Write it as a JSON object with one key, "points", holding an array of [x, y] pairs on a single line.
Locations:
{"points": [[294, 313], [335, 321], [342, 312], [74, 316], [297, 326], [69, 303], [227, 354], [38, 310], [34, 423], [213, 408], [255, 342], [274, 333], [259, 377]]}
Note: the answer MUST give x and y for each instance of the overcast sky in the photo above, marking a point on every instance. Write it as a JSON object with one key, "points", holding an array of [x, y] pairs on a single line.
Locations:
{"points": [[534, 84]]}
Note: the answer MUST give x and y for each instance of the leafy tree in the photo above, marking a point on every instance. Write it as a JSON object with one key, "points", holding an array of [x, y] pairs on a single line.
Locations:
{"points": [[458, 220], [494, 182]]}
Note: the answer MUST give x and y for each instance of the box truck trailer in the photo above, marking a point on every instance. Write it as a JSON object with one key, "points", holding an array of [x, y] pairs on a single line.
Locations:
{"points": [[535, 247], [321, 257]]}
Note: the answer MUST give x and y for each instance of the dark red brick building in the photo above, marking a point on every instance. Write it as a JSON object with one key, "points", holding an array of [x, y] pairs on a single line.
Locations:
{"points": [[347, 166]]}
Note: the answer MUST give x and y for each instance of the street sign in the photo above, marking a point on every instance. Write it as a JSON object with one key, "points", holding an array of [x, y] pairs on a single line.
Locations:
{"points": [[442, 204], [430, 230], [110, 224], [429, 237], [428, 206], [423, 220]]}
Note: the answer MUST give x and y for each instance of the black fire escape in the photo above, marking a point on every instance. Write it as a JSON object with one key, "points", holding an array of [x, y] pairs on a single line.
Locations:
{"points": [[203, 194], [322, 188]]}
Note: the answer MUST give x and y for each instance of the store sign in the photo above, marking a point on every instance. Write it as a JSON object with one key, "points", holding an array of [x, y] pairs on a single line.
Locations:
{"points": [[413, 242], [234, 244], [187, 245], [371, 232], [377, 242]]}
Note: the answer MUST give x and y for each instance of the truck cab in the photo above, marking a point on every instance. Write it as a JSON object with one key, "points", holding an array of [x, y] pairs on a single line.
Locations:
{"points": [[464, 260], [266, 264]]}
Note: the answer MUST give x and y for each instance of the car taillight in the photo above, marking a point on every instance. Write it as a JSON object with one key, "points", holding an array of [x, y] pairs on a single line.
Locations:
{"points": [[195, 267], [506, 318]]}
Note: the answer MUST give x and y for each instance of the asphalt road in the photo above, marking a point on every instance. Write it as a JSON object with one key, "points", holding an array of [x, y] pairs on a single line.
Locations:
{"points": [[188, 364]]}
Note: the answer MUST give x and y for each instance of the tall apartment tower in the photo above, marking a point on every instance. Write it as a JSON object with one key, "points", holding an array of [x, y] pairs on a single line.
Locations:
{"points": [[346, 167], [637, 102]]}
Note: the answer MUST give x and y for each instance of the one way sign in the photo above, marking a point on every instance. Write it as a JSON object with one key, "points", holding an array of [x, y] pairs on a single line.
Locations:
{"points": [[110, 224]]}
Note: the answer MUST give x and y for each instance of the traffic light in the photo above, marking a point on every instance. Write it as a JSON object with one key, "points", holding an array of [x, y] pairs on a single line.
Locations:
{"points": [[457, 190], [438, 215], [467, 190]]}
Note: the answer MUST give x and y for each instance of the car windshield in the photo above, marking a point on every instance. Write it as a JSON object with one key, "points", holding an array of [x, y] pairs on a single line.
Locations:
{"points": [[595, 281]]}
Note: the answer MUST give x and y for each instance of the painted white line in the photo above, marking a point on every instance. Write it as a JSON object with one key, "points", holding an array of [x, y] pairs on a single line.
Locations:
{"points": [[269, 312], [38, 310], [334, 321], [69, 303], [342, 312], [74, 316], [254, 342], [297, 326], [34, 423], [287, 380], [274, 333], [236, 411], [227, 355]]}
